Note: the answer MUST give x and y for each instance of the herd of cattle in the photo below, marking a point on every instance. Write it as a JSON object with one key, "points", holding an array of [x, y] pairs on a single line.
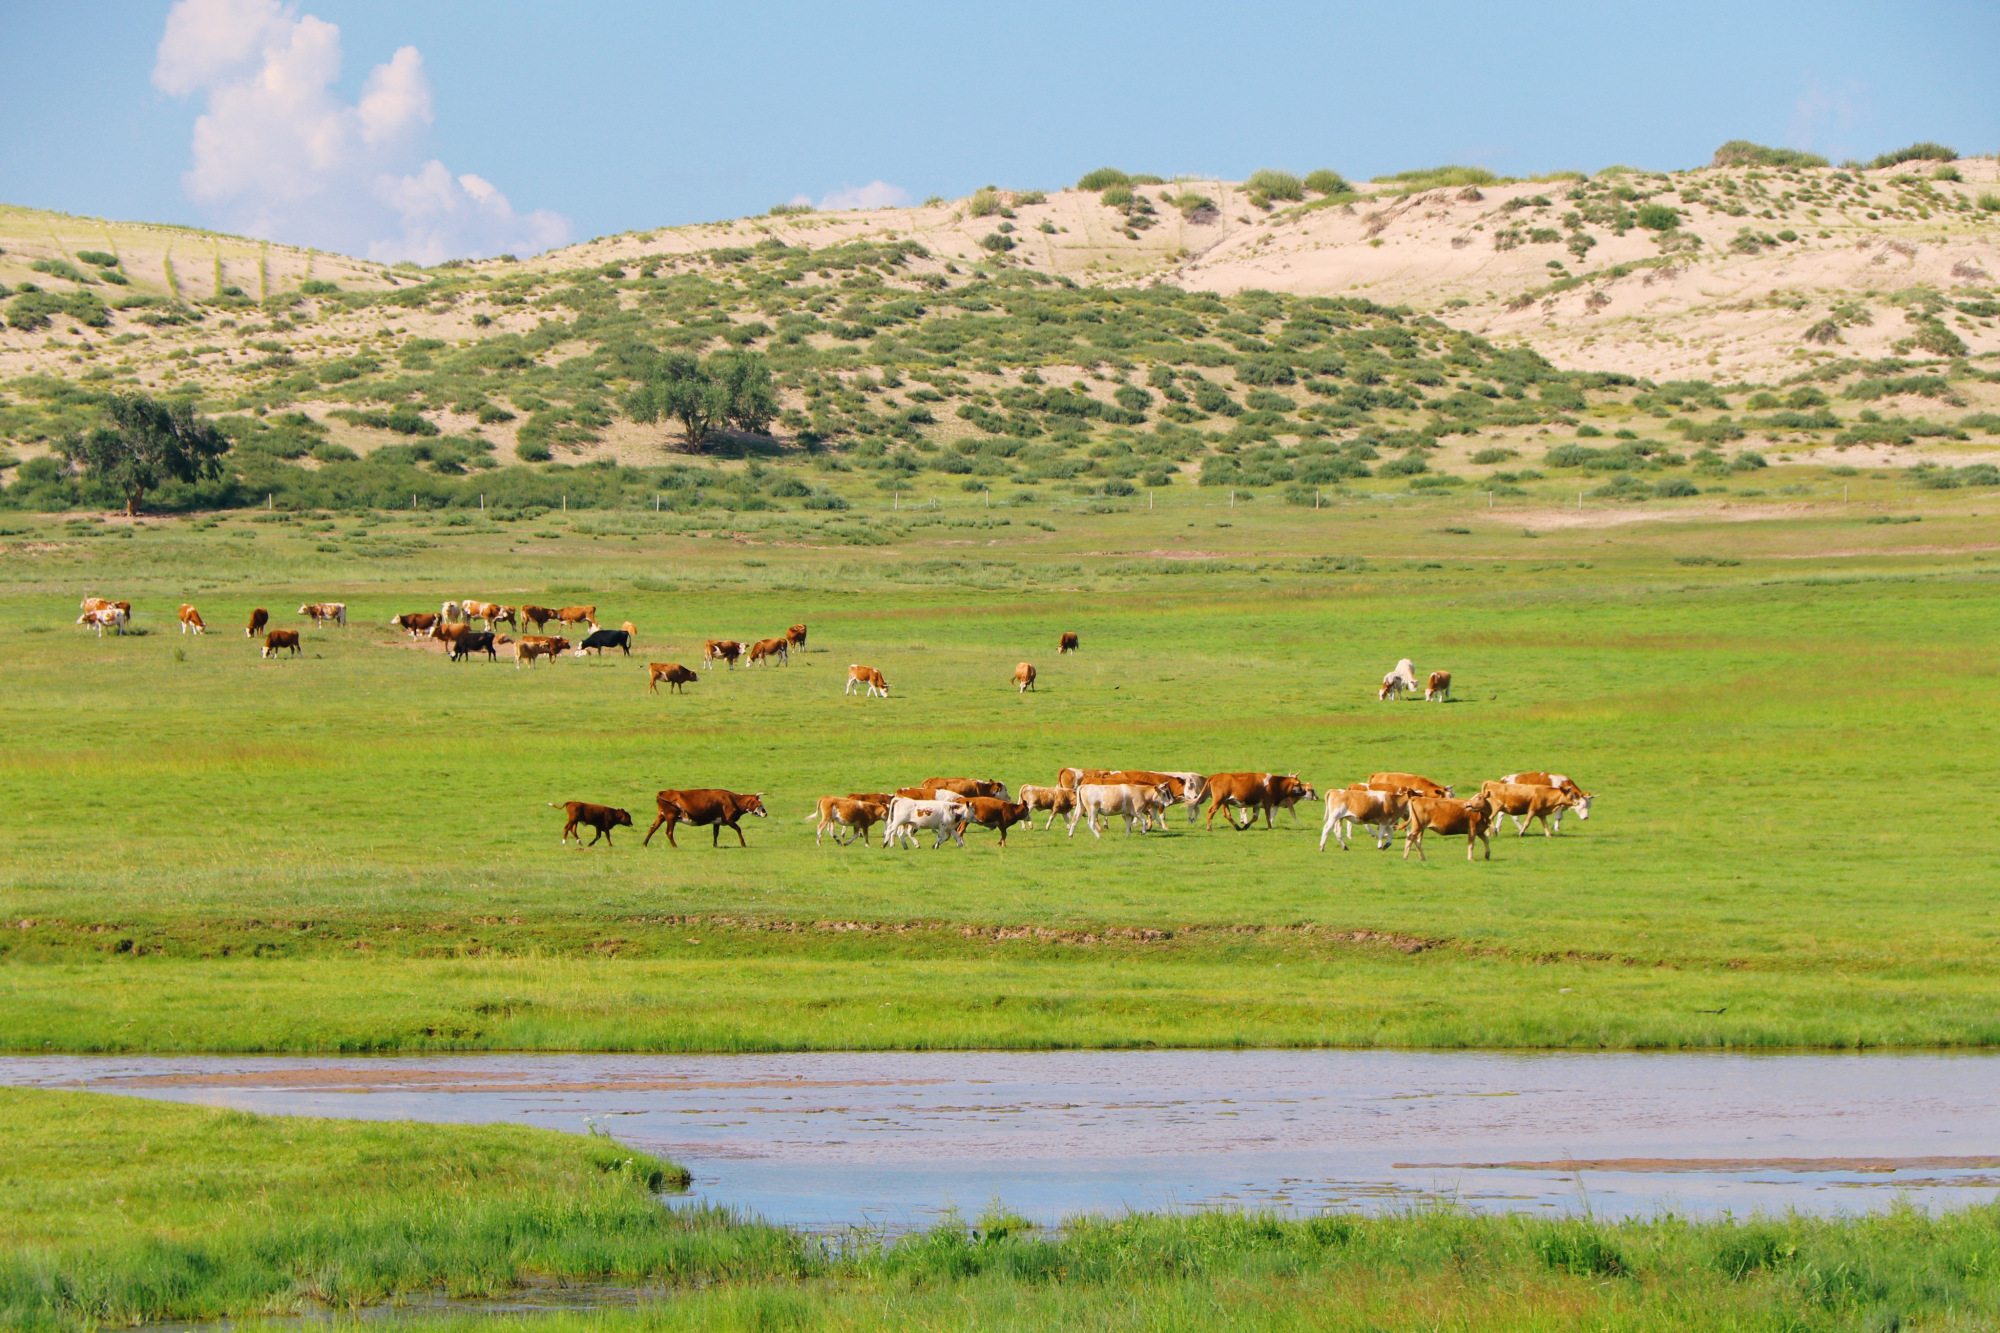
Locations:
{"points": [[1387, 803]]}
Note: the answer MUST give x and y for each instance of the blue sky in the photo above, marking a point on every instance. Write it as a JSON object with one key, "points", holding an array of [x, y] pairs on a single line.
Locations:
{"points": [[514, 125]]}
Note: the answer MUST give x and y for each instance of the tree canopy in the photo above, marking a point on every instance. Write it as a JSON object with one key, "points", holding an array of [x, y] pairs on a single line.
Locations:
{"points": [[144, 444], [729, 388]]}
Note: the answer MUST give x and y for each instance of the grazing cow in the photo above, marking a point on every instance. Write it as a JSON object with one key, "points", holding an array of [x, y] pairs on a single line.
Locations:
{"points": [[1254, 792], [990, 812], [600, 639], [1415, 782], [105, 615], [869, 676], [1137, 802], [1066, 644], [1055, 800], [450, 634], [1526, 802], [578, 615], [673, 673], [477, 641], [260, 618], [451, 611], [712, 808], [796, 637], [1438, 690], [533, 646], [98, 604], [768, 650], [1561, 780], [191, 622], [728, 650], [1024, 677], [1401, 681], [417, 624], [850, 814], [540, 615], [1381, 811], [908, 816], [325, 613], [1473, 818], [279, 639], [603, 818], [502, 615]]}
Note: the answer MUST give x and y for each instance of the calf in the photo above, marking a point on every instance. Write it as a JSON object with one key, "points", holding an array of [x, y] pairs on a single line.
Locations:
{"points": [[713, 808], [1055, 800], [279, 639], [1417, 783], [869, 676], [1473, 818], [907, 816], [533, 646], [854, 815], [450, 634], [578, 615], [1381, 811], [540, 615], [102, 616], [478, 641], [1439, 688], [1254, 792], [673, 673], [1526, 802], [768, 650], [1137, 802], [1024, 677], [417, 624], [603, 818], [600, 639], [502, 615], [990, 812], [1401, 681], [796, 637], [258, 619], [1066, 644], [728, 650], [323, 614], [191, 620]]}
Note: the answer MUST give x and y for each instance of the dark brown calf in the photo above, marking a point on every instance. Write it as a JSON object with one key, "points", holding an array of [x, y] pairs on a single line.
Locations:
{"points": [[603, 818], [673, 673], [1066, 644], [258, 619]]}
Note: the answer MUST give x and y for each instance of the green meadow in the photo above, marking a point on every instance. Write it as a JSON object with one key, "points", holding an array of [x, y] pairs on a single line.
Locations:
{"points": [[1787, 716]]}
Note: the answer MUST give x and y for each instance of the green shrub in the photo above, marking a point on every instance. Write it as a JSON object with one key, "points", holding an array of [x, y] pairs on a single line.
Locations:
{"points": [[1674, 488], [996, 242], [787, 210], [532, 451], [1409, 465], [1916, 152], [491, 414], [1743, 153], [984, 203], [1989, 201], [1324, 181], [329, 452], [101, 258], [1103, 178], [1275, 185], [1946, 173], [58, 268], [1436, 178], [1487, 456], [1132, 398], [315, 287], [1117, 196], [1657, 217], [1028, 198], [824, 500]]}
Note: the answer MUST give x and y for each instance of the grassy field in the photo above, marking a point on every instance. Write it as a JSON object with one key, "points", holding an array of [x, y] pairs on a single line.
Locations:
{"points": [[122, 1210], [1789, 723]]}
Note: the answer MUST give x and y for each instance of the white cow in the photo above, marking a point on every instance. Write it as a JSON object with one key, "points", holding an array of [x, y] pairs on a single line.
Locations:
{"points": [[452, 612], [1381, 811], [1135, 802], [1401, 681], [906, 816], [113, 616]]}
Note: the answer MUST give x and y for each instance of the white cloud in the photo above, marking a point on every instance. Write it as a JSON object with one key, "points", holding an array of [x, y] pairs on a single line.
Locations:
{"points": [[875, 194], [279, 153]]}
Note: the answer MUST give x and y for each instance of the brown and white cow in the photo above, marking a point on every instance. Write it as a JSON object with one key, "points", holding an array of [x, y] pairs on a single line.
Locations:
{"points": [[191, 622], [855, 815], [869, 676], [1136, 802], [1444, 814], [1526, 802], [728, 650], [501, 615], [258, 619], [1066, 644], [991, 812], [907, 816], [673, 673], [533, 646], [113, 616], [796, 637], [1561, 780], [1182, 788], [1438, 688], [603, 818], [1055, 800], [1381, 811], [1254, 792], [578, 615], [277, 640], [1415, 782], [325, 613], [96, 604], [771, 650], [713, 808], [1024, 677], [416, 624], [1401, 681]]}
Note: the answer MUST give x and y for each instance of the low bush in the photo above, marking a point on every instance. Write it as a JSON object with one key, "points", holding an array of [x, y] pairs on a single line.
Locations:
{"points": [[1275, 185], [1436, 178], [1103, 178], [315, 287], [1324, 182], [1916, 152], [1409, 465], [101, 258], [1674, 488], [1657, 217], [1744, 153]]}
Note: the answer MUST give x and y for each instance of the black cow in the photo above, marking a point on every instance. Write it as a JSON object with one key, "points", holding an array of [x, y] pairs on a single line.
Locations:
{"points": [[473, 641], [601, 639]]}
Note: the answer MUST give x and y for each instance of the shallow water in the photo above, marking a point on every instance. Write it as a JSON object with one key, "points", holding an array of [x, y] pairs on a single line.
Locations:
{"points": [[892, 1140]]}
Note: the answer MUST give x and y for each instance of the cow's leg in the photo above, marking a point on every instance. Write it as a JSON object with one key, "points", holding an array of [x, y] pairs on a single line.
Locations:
{"points": [[739, 832]]}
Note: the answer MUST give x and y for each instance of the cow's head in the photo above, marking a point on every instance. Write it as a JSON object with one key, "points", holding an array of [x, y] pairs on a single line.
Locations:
{"points": [[622, 817], [558, 644], [1580, 802], [756, 805]]}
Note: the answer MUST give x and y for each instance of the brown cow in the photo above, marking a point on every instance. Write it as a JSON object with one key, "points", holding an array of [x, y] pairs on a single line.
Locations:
{"points": [[450, 634], [968, 787], [1473, 818], [1382, 811], [418, 623], [726, 649], [533, 646], [1055, 800], [1439, 688], [990, 812], [540, 615], [279, 639], [673, 673], [258, 619], [796, 637], [191, 620], [854, 814], [1527, 802], [1253, 792], [1066, 644], [1415, 782], [1561, 780], [765, 650], [1024, 677], [710, 807], [603, 818], [578, 615], [631, 630], [869, 676]]}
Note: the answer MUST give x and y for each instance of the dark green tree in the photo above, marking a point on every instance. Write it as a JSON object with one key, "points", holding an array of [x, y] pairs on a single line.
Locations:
{"points": [[730, 388], [753, 395], [144, 444]]}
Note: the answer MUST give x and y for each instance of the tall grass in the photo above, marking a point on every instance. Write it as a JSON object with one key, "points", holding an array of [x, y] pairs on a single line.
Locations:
{"points": [[1438, 178]]}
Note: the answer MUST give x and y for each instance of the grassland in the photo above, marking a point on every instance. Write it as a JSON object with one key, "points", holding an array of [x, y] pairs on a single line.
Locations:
{"points": [[121, 1210], [353, 850]]}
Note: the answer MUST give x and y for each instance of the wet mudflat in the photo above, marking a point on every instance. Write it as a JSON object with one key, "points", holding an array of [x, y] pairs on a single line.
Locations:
{"points": [[891, 1140]]}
